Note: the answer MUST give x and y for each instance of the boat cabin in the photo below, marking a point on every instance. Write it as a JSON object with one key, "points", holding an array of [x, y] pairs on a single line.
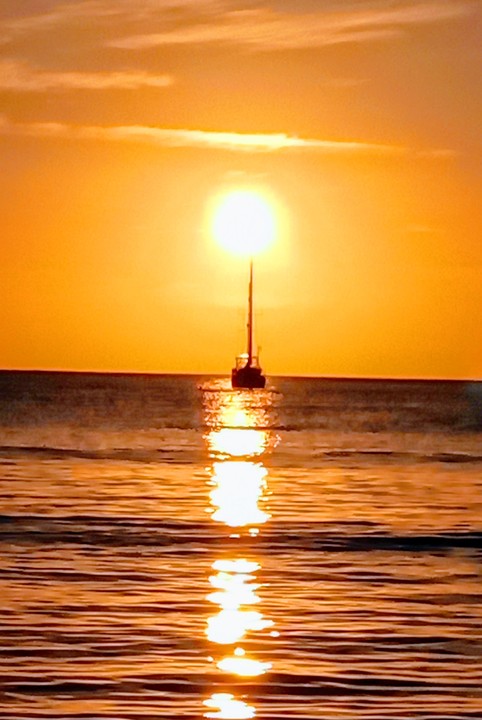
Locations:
{"points": [[242, 361]]}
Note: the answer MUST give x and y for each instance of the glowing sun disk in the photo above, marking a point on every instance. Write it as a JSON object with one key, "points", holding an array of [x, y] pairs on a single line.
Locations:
{"points": [[244, 222]]}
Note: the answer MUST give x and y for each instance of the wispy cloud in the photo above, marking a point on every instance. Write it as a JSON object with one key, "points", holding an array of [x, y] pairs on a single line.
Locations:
{"points": [[112, 12], [62, 13], [21, 77], [419, 229], [252, 24], [265, 29], [182, 137]]}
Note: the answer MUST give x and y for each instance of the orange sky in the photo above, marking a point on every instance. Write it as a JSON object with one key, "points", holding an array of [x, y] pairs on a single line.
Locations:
{"points": [[120, 122]]}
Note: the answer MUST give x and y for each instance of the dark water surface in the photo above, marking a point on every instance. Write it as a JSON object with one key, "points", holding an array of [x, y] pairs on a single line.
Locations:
{"points": [[170, 548]]}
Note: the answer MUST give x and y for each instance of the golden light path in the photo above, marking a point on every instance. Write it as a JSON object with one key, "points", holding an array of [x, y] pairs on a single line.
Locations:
{"points": [[236, 441], [228, 707], [244, 222], [238, 487]]}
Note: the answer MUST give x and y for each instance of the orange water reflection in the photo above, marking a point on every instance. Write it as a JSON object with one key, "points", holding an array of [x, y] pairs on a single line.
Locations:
{"points": [[238, 492], [228, 707], [238, 439]]}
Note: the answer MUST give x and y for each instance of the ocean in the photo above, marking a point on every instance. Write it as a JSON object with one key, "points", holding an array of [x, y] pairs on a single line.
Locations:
{"points": [[170, 548]]}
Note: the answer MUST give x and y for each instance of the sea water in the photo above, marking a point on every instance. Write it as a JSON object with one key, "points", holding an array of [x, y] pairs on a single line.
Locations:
{"points": [[170, 548]]}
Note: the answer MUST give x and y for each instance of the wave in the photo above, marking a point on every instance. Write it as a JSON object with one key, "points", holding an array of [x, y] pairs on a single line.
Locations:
{"points": [[440, 457], [192, 454], [280, 683], [197, 536], [164, 455]]}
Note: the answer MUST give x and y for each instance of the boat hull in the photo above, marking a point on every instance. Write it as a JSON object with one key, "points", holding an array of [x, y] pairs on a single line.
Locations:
{"points": [[247, 377]]}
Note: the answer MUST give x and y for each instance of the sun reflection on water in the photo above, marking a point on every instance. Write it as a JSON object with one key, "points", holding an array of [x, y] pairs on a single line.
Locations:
{"points": [[228, 707], [237, 441], [234, 591], [238, 488]]}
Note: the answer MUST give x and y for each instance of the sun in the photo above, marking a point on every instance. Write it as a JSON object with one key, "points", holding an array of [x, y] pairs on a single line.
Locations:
{"points": [[244, 222]]}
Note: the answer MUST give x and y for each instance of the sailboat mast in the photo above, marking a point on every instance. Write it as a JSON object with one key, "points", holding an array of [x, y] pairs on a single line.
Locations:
{"points": [[250, 314]]}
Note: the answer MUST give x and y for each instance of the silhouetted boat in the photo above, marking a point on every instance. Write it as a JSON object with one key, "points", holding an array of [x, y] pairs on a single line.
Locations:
{"points": [[247, 372]]}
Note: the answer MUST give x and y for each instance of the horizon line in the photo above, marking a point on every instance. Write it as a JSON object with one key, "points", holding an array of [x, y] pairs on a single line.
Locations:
{"points": [[153, 373]]}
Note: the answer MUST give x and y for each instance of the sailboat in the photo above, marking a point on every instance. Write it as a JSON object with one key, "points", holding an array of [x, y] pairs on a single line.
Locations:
{"points": [[247, 372]]}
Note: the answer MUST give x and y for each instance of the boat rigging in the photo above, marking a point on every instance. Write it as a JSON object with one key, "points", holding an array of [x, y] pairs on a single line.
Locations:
{"points": [[247, 372]]}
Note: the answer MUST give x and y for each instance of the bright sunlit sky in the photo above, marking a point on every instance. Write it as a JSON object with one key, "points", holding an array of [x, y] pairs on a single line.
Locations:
{"points": [[122, 123]]}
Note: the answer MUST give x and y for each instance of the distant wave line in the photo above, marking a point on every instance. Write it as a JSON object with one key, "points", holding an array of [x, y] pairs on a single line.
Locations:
{"points": [[185, 455], [195, 537]]}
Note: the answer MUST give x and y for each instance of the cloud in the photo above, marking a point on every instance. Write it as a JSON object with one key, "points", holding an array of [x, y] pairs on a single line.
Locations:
{"points": [[62, 13], [415, 229], [99, 12], [21, 77], [265, 29], [256, 25], [182, 137]]}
